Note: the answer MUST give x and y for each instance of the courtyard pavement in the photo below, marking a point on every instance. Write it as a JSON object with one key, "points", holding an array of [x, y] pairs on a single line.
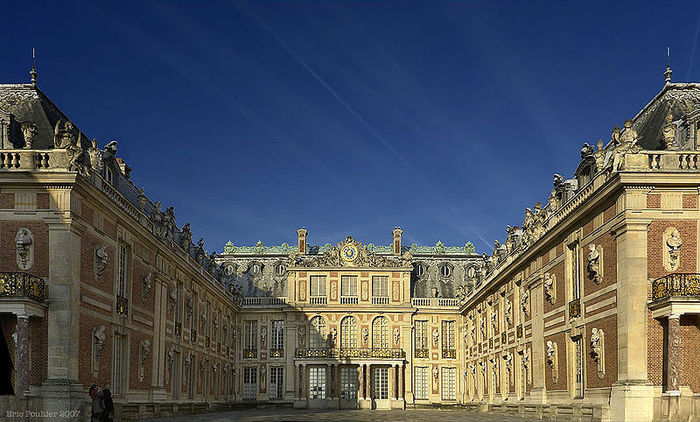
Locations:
{"points": [[288, 415]]}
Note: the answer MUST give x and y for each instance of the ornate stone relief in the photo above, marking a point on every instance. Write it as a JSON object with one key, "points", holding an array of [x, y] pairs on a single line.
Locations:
{"points": [[598, 350], [188, 307], [301, 334], [672, 248], [98, 341], [494, 370], [508, 307], [436, 377], [144, 352], [365, 335], [363, 257], [525, 356], [203, 317], [550, 287], [436, 337], [172, 298], [594, 263], [147, 285], [263, 337], [397, 335], [101, 258], [668, 131], [508, 363], [170, 356], [552, 359], [494, 323], [28, 131], [334, 336], [263, 376], [24, 244], [525, 302]]}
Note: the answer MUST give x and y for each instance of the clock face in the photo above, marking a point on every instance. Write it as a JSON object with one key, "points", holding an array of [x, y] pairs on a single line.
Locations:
{"points": [[349, 252]]}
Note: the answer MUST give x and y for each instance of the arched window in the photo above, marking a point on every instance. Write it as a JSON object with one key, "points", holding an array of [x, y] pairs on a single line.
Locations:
{"points": [[380, 333], [445, 270], [317, 333], [348, 333]]}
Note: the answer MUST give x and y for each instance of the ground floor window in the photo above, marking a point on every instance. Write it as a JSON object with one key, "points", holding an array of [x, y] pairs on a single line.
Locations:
{"points": [[381, 383], [250, 383], [317, 382], [422, 383], [276, 382], [117, 370], [449, 376], [348, 383]]}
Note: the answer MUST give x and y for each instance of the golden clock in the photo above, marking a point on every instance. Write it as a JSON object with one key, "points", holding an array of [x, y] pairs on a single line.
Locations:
{"points": [[349, 252]]}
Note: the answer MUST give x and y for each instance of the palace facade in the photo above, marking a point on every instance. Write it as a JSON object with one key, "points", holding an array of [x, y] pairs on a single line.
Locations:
{"points": [[588, 310]]}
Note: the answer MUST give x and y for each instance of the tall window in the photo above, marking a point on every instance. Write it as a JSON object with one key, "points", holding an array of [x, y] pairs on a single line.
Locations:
{"points": [[250, 337], [380, 286], [277, 340], [348, 333], [250, 383], [575, 272], [317, 333], [448, 339], [317, 382], [276, 382], [348, 383], [380, 333], [422, 335], [449, 376], [348, 289], [318, 285], [422, 383], [117, 370], [381, 383], [122, 271]]}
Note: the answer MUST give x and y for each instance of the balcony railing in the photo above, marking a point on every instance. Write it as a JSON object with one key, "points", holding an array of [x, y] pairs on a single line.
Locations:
{"points": [[422, 353], [318, 300], [250, 353], [22, 285], [122, 305], [261, 302], [276, 353], [434, 302], [449, 353], [178, 329], [193, 336], [575, 308], [676, 285], [348, 300], [380, 301], [350, 353]]}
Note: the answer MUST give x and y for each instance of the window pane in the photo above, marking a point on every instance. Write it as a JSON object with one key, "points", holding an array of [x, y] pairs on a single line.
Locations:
{"points": [[422, 383], [348, 383], [348, 333], [317, 383], [381, 383], [348, 285], [380, 286], [380, 333], [317, 333]]}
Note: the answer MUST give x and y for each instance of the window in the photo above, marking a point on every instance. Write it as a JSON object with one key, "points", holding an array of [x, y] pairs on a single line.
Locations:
{"points": [[380, 286], [422, 383], [317, 382], [317, 333], [250, 383], [277, 340], [276, 382], [117, 370], [109, 176], [348, 333], [349, 383], [281, 269], [448, 383], [381, 383], [448, 340], [380, 333], [348, 285], [318, 285], [420, 270], [255, 269], [575, 272], [123, 268], [445, 270], [250, 339], [421, 334]]}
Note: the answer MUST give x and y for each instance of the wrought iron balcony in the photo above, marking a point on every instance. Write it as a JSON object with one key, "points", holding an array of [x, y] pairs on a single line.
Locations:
{"points": [[276, 353], [193, 335], [422, 353], [350, 353], [22, 285], [178, 329], [122, 305], [250, 353], [676, 285], [449, 353], [575, 308]]}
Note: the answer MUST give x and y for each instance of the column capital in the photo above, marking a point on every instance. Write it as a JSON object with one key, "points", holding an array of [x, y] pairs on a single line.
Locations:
{"points": [[675, 316]]}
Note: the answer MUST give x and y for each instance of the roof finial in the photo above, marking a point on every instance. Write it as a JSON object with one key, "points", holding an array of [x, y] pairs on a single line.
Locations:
{"points": [[33, 72], [668, 72]]}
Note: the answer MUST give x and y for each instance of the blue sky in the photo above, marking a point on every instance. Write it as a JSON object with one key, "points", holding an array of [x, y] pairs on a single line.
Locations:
{"points": [[256, 118]]}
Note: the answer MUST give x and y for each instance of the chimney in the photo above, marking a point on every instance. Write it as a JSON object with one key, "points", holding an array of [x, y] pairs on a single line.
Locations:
{"points": [[301, 235], [396, 244]]}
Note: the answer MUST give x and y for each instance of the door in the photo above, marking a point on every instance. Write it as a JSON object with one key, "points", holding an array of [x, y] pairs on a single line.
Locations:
{"points": [[380, 388], [349, 386], [317, 387]]}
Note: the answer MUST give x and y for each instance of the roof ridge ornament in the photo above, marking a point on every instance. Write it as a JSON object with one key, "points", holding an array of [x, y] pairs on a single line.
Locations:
{"points": [[668, 72], [33, 73]]}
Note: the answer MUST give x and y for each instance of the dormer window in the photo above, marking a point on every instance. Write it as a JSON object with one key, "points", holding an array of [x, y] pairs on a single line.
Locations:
{"points": [[109, 176], [255, 269], [420, 270], [445, 271], [281, 269]]}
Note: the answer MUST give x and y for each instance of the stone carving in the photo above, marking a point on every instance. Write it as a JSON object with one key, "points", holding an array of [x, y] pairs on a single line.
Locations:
{"points": [[436, 377], [668, 131], [397, 335], [186, 237], [98, 341], [365, 335], [472, 331], [526, 364], [508, 306], [170, 356], [550, 292], [188, 307], [482, 321], [334, 336], [508, 363], [594, 261], [101, 258], [65, 134], [598, 350], [494, 323], [144, 352], [673, 243], [301, 333], [28, 131], [263, 337], [172, 298], [624, 142], [551, 355], [202, 365], [332, 257], [24, 244], [525, 302], [96, 156], [216, 321], [188, 361], [436, 337], [494, 370], [263, 374], [147, 285]]}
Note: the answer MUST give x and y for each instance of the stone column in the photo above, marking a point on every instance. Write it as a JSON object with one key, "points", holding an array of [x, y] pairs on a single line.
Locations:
{"points": [[22, 352], [158, 361], [361, 382], [673, 356], [368, 382], [302, 381], [402, 368], [329, 381], [297, 386], [392, 382], [632, 393]]}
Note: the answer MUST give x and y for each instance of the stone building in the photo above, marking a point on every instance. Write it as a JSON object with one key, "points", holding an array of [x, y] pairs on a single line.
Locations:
{"points": [[588, 310], [98, 285]]}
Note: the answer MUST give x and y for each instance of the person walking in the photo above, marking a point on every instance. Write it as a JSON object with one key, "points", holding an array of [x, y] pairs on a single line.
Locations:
{"points": [[107, 405], [97, 408]]}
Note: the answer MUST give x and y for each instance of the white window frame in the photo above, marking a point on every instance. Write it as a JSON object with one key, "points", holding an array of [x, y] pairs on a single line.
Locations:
{"points": [[422, 382]]}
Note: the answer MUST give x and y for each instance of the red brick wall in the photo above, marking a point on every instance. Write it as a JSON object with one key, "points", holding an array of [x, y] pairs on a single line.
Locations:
{"points": [[609, 213], [690, 201], [87, 324], [8, 249], [609, 258], [656, 248], [38, 335], [89, 244], [561, 384], [7, 201], [140, 271], [609, 327], [134, 382], [690, 346], [655, 349], [654, 200], [560, 285], [9, 325], [42, 201]]}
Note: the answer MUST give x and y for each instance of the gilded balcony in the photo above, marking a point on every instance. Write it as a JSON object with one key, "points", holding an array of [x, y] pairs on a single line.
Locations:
{"points": [[354, 353], [122, 305], [676, 285], [22, 285], [422, 353]]}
